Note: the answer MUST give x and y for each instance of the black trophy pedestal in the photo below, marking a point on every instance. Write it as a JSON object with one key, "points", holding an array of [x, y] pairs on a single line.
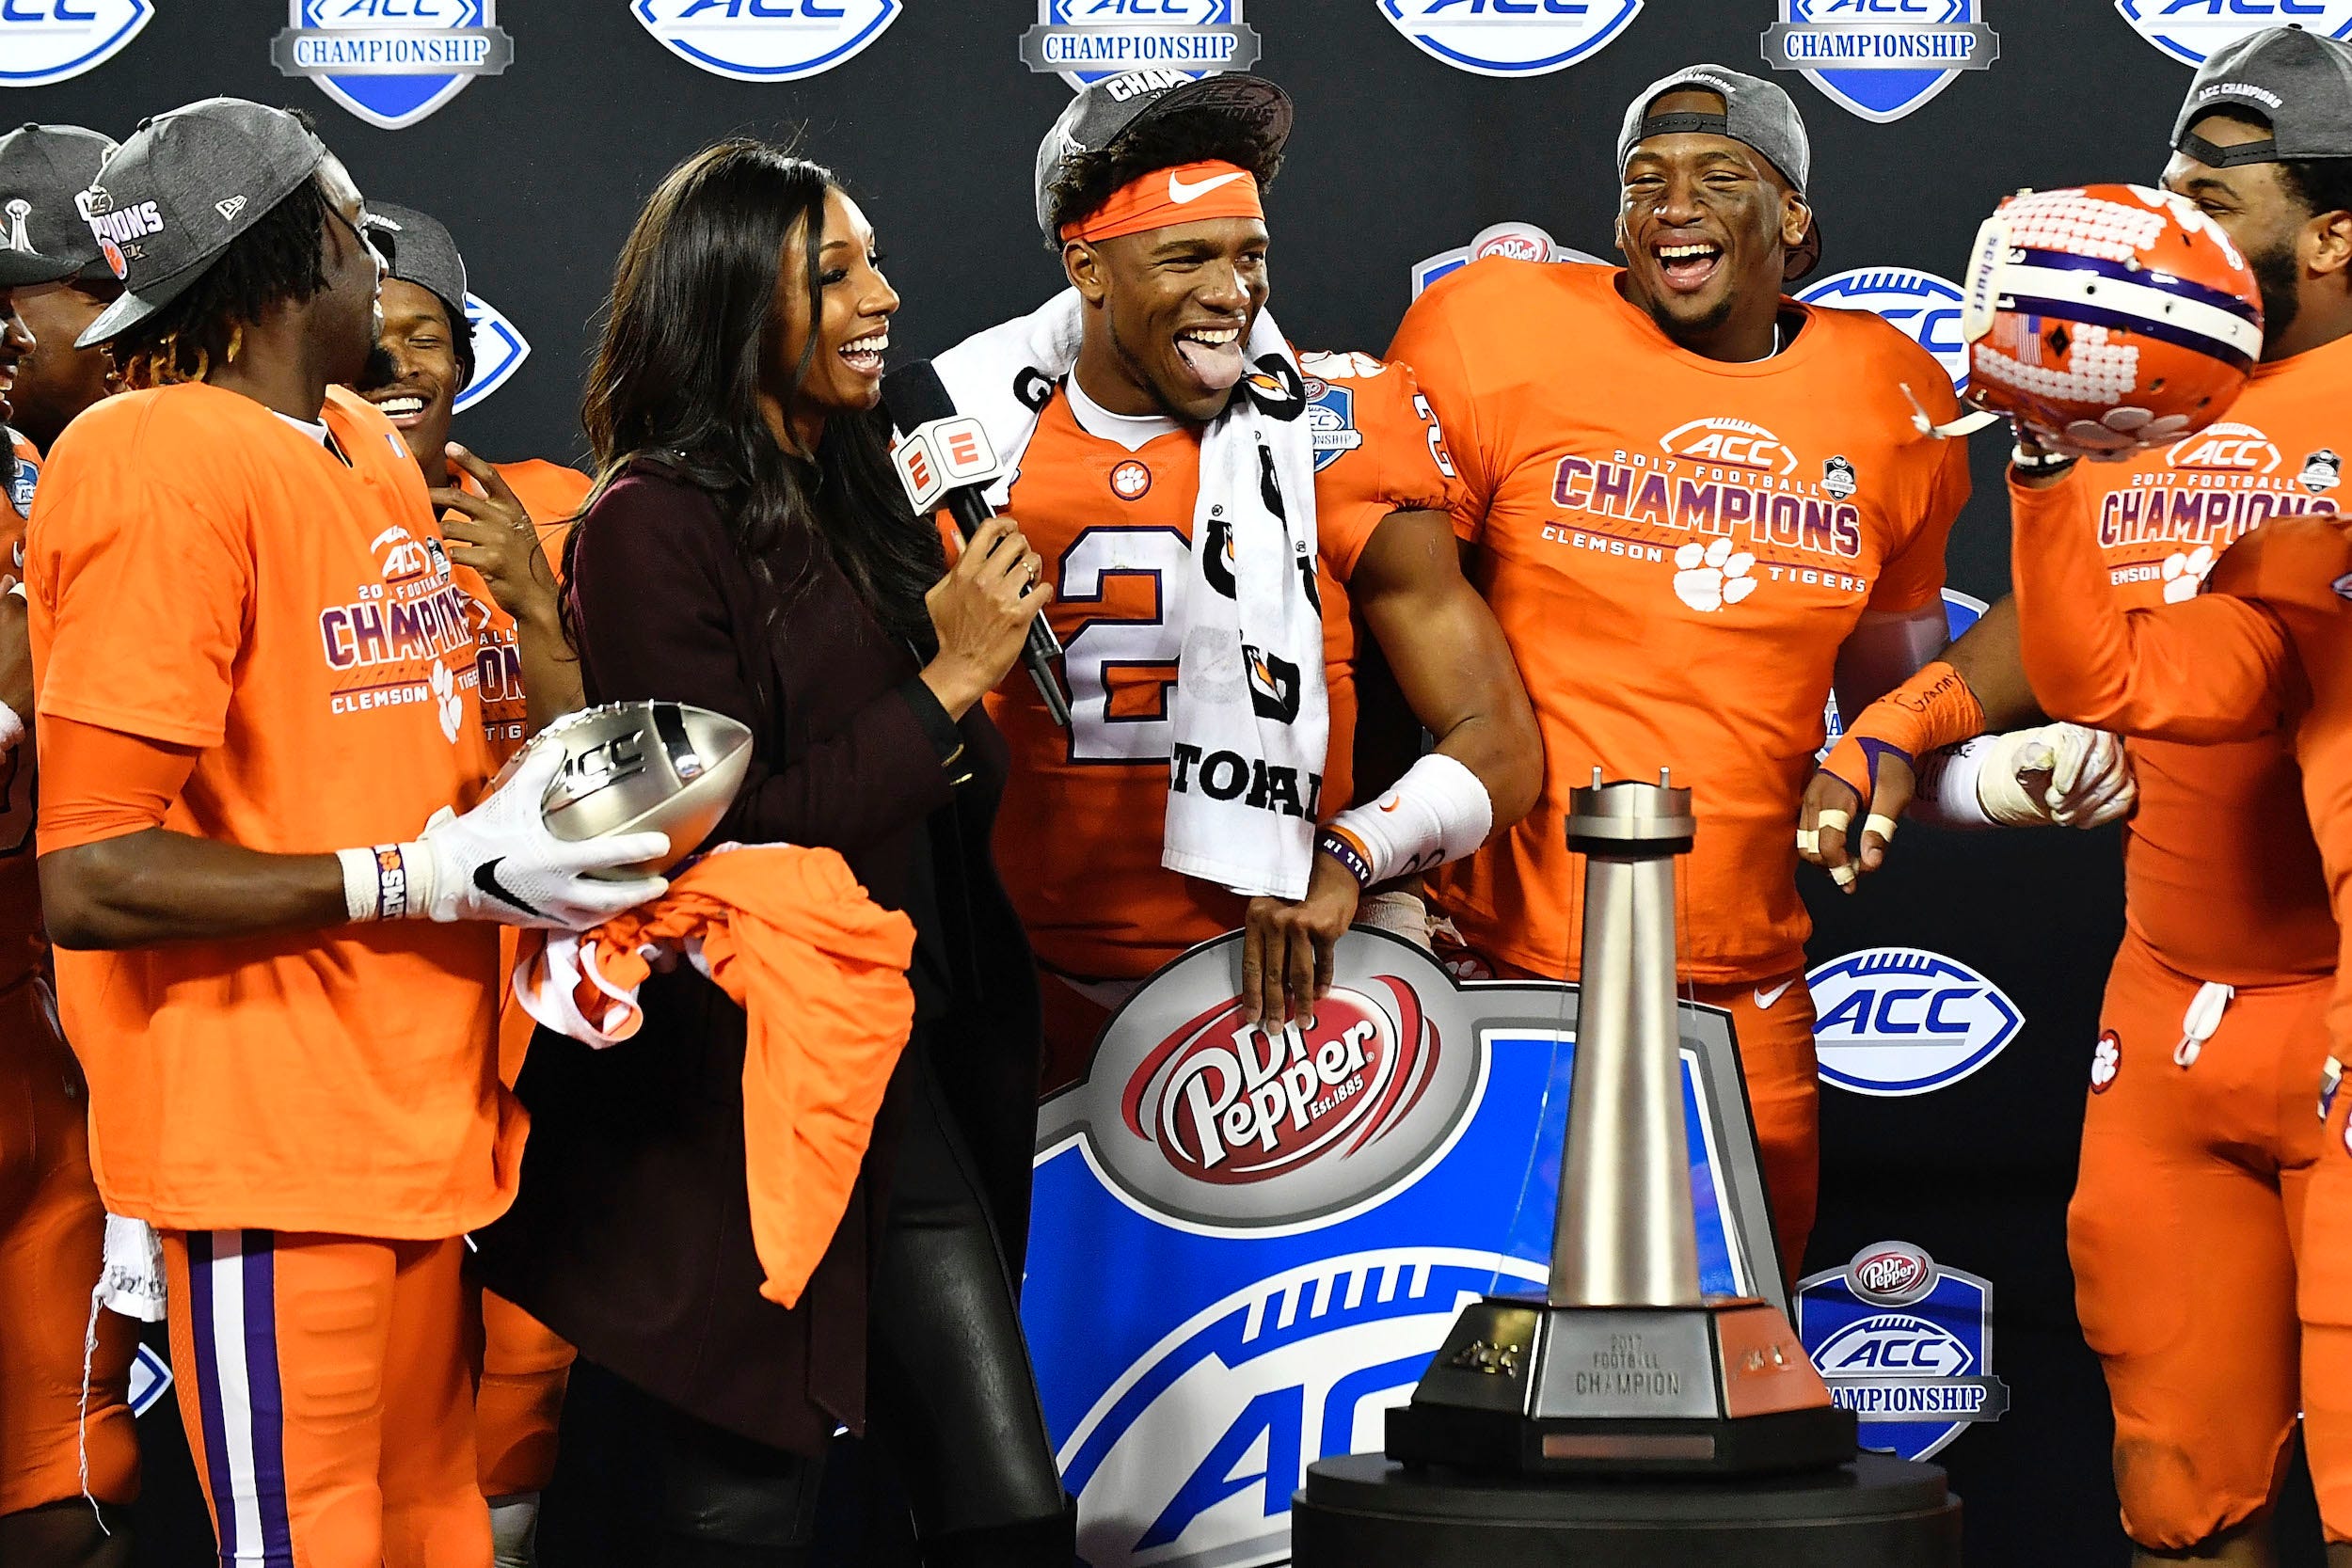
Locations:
{"points": [[1367, 1511]]}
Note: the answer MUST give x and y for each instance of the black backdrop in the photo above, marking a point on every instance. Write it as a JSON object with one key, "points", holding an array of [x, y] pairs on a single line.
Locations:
{"points": [[540, 171]]}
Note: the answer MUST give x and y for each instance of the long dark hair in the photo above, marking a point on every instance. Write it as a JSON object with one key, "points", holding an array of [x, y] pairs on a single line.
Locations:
{"points": [[690, 341]]}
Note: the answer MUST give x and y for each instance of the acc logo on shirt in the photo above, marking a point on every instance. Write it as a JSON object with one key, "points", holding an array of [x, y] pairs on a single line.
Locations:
{"points": [[48, 41], [1332, 421], [392, 62], [498, 351], [2225, 448], [1084, 40], [2191, 29], [765, 40], [23, 480], [1905, 1344], [1896, 1021], [1925, 306], [1880, 60], [1511, 38], [1520, 241], [1735, 443]]}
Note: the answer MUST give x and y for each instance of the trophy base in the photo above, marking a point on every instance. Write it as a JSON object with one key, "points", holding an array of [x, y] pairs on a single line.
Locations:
{"points": [[1522, 1387]]}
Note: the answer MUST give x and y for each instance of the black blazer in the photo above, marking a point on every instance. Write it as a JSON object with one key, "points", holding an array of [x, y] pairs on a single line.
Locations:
{"points": [[631, 1233]]}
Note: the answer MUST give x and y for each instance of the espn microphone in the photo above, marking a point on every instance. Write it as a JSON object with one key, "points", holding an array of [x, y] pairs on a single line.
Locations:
{"points": [[944, 458]]}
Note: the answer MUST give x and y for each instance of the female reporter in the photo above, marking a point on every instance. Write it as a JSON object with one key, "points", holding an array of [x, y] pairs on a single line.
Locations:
{"points": [[749, 549]]}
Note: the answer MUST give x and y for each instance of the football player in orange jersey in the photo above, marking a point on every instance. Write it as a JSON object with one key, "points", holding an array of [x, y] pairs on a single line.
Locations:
{"points": [[2212, 1217], [1696, 506], [506, 524], [248, 650], [1148, 188], [52, 1225], [42, 168]]}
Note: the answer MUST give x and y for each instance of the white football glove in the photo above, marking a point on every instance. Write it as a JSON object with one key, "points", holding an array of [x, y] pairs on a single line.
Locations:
{"points": [[2090, 781], [499, 862]]}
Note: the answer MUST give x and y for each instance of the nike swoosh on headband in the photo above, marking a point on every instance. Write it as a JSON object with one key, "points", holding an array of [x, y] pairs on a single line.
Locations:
{"points": [[485, 877], [1180, 192]]}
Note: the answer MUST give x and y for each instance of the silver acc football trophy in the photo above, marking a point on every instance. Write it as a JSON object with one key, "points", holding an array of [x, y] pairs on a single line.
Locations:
{"points": [[1624, 1366]]}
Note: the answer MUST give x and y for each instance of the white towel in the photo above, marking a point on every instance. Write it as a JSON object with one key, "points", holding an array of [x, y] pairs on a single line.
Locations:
{"points": [[1251, 718]]}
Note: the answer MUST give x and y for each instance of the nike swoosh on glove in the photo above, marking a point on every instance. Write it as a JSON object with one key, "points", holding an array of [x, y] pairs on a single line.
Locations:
{"points": [[497, 861], [2091, 781]]}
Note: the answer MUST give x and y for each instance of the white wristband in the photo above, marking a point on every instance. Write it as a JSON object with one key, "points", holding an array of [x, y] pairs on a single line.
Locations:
{"points": [[389, 881], [1438, 811], [1948, 782]]}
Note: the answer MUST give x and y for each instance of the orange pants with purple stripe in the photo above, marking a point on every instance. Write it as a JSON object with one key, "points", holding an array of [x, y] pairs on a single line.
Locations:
{"points": [[2211, 1234], [326, 1384], [53, 1235]]}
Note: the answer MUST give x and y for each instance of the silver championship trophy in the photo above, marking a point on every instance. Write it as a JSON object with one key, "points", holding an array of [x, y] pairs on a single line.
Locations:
{"points": [[1624, 1366]]}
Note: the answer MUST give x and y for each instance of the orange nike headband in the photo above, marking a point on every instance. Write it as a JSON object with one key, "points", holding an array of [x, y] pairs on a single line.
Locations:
{"points": [[1187, 192]]}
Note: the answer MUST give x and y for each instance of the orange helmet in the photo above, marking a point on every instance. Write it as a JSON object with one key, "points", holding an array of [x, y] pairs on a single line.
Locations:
{"points": [[2106, 318]]}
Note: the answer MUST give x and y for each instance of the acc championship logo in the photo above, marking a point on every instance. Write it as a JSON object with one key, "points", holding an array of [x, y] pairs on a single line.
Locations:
{"points": [[1511, 38], [1881, 58], [1521, 242], [1905, 1344], [1925, 306], [1734, 443], [23, 480], [2191, 29], [1312, 1210], [1896, 1021], [1332, 421], [765, 40], [1084, 40], [48, 41], [498, 351], [392, 62]]}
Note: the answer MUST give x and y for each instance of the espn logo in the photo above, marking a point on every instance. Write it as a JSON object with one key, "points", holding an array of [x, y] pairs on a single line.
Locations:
{"points": [[943, 455]]}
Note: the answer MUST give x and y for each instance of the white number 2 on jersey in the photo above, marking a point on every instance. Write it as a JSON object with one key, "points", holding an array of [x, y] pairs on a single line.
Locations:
{"points": [[1163, 554], [1436, 436]]}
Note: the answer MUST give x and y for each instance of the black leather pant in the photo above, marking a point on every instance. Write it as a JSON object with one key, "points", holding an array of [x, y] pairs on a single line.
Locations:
{"points": [[951, 1398]]}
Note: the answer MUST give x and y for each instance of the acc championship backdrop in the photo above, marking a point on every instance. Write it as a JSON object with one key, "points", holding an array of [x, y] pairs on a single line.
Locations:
{"points": [[1958, 994]]}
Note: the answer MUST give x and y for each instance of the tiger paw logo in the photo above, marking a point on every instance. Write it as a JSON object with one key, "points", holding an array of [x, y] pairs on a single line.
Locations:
{"points": [[449, 707], [2184, 573], [1713, 577], [2106, 1060]]}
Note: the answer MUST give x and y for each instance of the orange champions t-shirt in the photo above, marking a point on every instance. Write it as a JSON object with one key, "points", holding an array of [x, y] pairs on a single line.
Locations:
{"points": [[1676, 548], [1079, 835], [204, 575], [552, 495], [22, 938], [2223, 878]]}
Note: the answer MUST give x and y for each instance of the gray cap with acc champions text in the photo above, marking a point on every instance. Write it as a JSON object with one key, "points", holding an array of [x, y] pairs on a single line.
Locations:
{"points": [[43, 169], [1110, 108], [1756, 114], [186, 184], [2297, 81]]}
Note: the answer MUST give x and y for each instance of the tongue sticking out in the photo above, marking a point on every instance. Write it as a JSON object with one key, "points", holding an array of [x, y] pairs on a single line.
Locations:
{"points": [[1217, 366]]}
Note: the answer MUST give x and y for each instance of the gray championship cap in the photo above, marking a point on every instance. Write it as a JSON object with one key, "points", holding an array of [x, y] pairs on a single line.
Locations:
{"points": [[418, 250], [1110, 108], [21, 267], [43, 168], [2298, 83], [185, 186], [1756, 112]]}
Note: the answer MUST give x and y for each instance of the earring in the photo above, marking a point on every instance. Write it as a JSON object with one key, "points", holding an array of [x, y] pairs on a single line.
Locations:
{"points": [[236, 341]]}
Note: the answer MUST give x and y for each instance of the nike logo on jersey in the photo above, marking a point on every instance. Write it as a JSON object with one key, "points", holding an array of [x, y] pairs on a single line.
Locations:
{"points": [[1764, 999], [1180, 192], [485, 877]]}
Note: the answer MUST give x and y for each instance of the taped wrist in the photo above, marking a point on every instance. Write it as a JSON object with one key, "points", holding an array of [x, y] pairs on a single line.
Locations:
{"points": [[1933, 710], [1438, 811], [1947, 795], [1999, 796], [388, 881]]}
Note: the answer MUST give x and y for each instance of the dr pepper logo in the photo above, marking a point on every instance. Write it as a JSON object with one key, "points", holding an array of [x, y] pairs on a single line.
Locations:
{"points": [[1891, 1273], [1197, 1116]]}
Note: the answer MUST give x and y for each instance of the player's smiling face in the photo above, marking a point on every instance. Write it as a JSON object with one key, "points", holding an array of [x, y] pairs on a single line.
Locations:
{"points": [[15, 343], [1175, 307], [2252, 204], [419, 358], [1705, 224]]}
